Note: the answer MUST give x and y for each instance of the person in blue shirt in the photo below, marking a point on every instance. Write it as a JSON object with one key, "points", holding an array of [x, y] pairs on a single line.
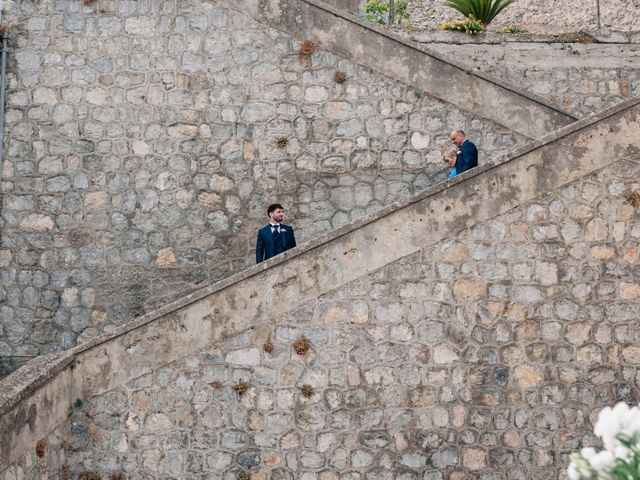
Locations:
{"points": [[467, 154], [450, 158]]}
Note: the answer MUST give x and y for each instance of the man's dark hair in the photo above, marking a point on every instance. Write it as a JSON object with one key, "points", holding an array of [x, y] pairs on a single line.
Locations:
{"points": [[461, 132], [273, 207]]}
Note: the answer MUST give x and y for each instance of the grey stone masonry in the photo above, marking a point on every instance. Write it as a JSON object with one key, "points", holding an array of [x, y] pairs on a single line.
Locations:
{"points": [[581, 77], [483, 356], [483, 343], [144, 141]]}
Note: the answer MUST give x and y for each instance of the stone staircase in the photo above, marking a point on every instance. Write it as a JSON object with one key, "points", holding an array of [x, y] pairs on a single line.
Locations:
{"points": [[452, 334], [215, 336]]}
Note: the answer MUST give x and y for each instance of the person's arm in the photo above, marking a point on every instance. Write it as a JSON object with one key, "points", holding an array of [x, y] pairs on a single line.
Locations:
{"points": [[259, 248]]}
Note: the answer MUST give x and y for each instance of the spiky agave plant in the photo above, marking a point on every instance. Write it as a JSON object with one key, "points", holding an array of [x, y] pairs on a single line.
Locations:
{"points": [[482, 10]]}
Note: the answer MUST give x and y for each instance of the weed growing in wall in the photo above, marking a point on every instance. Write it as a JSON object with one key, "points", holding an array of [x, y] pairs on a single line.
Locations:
{"points": [[632, 198], [241, 387], [513, 29], [301, 345], [307, 390], [307, 48], [282, 142]]}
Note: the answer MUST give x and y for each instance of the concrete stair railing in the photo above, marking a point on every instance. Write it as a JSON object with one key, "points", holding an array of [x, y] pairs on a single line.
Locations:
{"points": [[410, 63], [35, 399]]}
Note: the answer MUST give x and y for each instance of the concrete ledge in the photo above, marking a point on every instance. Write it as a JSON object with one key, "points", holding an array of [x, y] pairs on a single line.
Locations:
{"points": [[412, 64], [439, 36], [36, 398]]}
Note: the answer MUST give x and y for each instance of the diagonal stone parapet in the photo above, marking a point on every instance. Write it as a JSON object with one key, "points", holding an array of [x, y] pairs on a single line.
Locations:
{"points": [[410, 63], [36, 399]]}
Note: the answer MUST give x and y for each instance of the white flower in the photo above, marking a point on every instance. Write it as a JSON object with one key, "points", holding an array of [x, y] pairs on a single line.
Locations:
{"points": [[619, 420], [579, 468], [602, 462]]}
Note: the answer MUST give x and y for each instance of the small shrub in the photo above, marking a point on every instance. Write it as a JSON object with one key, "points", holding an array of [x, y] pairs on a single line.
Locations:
{"points": [[268, 346], [244, 476], [301, 345], [307, 390], [117, 476], [484, 11], [468, 25], [41, 448], [216, 384], [377, 11], [241, 387], [78, 403], [633, 198], [340, 77], [513, 29], [419, 94], [282, 142], [307, 49]]}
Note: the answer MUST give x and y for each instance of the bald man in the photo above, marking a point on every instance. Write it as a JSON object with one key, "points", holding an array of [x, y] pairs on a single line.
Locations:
{"points": [[467, 154]]}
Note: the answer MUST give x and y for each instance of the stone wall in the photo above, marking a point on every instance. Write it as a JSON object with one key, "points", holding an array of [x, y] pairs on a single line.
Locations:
{"points": [[482, 357], [481, 346], [142, 151], [584, 78], [541, 16]]}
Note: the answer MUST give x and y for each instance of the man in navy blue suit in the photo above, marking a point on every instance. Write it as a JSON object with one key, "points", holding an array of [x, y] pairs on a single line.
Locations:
{"points": [[467, 155], [276, 237]]}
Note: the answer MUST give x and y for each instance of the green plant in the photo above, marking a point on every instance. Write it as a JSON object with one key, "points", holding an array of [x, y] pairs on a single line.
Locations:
{"points": [[307, 390], [513, 29], [301, 345], [244, 476], [78, 403], [468, 25], [619, 430], [241, 387], [482, 10], [282, 142], [633, 198], [307, 48], [377, 11]]}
